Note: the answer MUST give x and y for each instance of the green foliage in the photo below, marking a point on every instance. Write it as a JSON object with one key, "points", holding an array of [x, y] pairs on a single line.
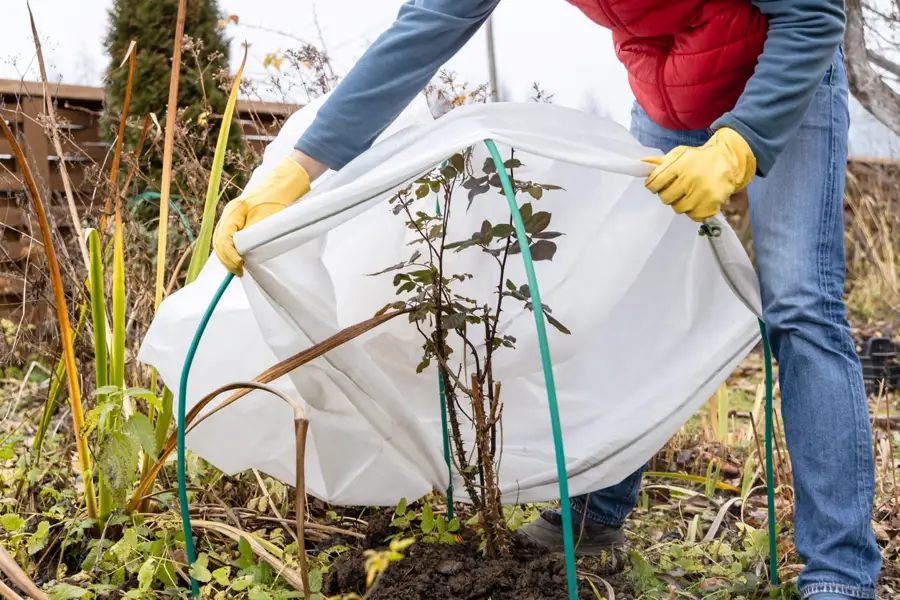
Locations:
{"points": [[201, 99], [427, 527], [427, 290], [65, 591]]}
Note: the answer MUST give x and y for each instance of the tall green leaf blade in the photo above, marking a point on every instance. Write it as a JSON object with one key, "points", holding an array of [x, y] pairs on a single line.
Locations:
{"points": [[204, 240], [164, 419], [117, 362], [98, 312]]}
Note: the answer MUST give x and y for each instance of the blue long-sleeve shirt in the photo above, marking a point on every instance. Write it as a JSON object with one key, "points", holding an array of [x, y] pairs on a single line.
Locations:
{"points": [[802, 39]]}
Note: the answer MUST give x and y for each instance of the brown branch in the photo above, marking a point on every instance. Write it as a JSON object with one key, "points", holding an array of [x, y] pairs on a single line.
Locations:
{"points": [[880, 61], [54, 129], [866, 84]]}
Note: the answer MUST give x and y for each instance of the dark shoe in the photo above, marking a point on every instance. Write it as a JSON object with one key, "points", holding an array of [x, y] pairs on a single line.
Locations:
{"points": [[591, 539]]}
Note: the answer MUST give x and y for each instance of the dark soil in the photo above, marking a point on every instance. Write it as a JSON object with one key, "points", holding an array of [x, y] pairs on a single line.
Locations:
{"points": [[461, 572]]}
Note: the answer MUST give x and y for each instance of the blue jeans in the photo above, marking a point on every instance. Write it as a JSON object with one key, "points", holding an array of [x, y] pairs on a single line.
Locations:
{"points": [[796, 215]]}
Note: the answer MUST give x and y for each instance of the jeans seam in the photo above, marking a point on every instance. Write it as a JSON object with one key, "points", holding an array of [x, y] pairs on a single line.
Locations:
{"points": [[830, 217], [619, 514], [592, 516], [807, 591]]}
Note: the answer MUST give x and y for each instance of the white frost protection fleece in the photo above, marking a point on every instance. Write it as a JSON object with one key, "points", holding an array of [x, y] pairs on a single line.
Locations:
{"points": [[659, 315]]}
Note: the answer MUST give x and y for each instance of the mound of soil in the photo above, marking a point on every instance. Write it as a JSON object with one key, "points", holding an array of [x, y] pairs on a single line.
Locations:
{"points": [[460, 572]]}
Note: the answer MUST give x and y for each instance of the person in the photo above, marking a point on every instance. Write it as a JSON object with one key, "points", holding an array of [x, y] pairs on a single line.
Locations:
{"points": [[743, 95]]}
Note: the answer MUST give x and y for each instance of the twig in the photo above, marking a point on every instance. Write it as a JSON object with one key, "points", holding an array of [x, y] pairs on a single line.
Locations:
{"points": [[262, 486], [895, 490], [292, 577], [166, 186], [7, 592], [758, 447], [54, 129], [12, 570]]}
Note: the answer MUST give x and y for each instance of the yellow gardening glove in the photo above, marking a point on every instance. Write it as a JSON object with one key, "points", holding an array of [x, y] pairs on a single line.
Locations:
{"points": [[697, 181], [285, 184]]}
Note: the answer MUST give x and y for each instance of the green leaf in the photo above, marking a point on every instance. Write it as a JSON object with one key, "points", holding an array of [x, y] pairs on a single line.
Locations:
{"points": [[454, 525], [457, 162], [146, 573], [422, 191], [12, 522], [117, 459], [543, 250], [199, 570], [447, 538], [401, 507], [247, 561], [39, 538], [258, 594], [449, 172], [427, 519], [143, 394], [107, 390], [512, 163], [559, 326], [535, 192], [503, 230], [538, 222], [125, 547], [510, 285], [140, 428], [441, 524], [65, 591], [222, 576], [423, 365], [239, 585], [98, 312], [526, 210], [316, 579], [98, 417]]}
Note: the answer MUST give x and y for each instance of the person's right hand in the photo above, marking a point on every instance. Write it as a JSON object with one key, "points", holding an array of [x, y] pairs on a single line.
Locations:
{"points": [[284, 185]]}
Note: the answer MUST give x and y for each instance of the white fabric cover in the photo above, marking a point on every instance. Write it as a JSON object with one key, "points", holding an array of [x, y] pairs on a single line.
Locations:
{"points": [[659, 315]]}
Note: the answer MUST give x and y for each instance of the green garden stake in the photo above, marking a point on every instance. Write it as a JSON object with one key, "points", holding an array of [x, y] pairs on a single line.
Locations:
{"points": [[182, 396], [443, 398], [446, 446], [770, 479], [538, 309]]}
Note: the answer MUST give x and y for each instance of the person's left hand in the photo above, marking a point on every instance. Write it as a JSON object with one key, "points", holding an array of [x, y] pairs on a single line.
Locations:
{"points": [[697, 181]]}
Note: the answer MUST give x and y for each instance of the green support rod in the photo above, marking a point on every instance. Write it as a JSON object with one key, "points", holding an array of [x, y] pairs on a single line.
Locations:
{"points": [[443, 399], [538, 309], [182, 396], [770, 479], [446, 447]]}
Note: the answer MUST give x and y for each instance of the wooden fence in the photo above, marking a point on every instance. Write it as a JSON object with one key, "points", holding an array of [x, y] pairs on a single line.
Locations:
{"points": [[78, 110]]}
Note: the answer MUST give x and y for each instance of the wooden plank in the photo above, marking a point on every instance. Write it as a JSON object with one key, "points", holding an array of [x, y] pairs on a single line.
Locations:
{"points": [[37, 146], [11, 285], [18, 250], [16, 87], [20, 219]]}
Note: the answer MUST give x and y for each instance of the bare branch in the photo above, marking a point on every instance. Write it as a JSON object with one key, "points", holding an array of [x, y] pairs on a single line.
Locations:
{"points": [[865, 83], [880, 61]]}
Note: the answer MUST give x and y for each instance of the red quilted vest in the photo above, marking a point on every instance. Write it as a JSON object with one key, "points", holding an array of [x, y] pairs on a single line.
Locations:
{"points": [[687, 60]]}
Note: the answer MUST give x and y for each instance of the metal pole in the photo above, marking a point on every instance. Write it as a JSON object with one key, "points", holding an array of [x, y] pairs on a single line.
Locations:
{"points": [[492, 61]]}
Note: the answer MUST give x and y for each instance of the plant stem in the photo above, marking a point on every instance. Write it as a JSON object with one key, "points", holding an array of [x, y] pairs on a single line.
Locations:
{"points": [[65, 330]]}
